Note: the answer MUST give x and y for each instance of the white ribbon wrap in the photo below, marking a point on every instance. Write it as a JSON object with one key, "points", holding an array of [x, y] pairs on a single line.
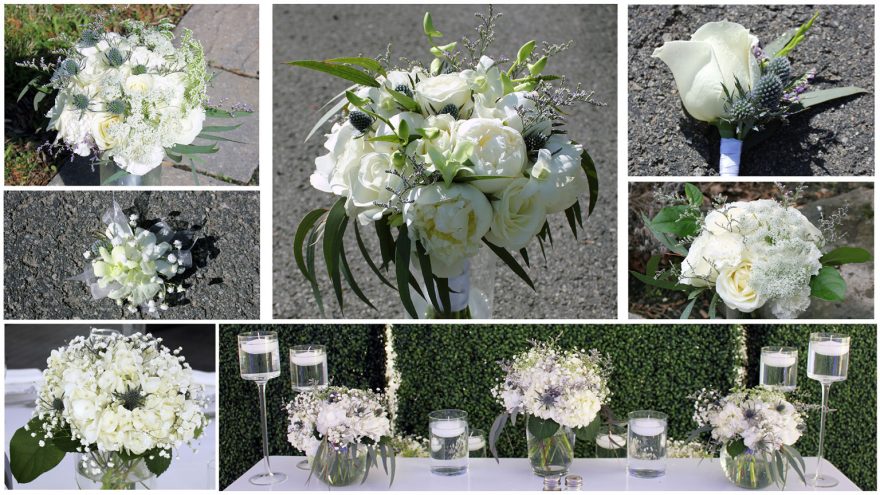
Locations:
{"points": [[731, 149]]}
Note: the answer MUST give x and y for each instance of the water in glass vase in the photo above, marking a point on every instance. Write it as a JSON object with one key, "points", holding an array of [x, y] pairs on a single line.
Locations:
{"points": [[308, 369], [449, 447], [646, 450], [259, 359], [778, 370], [828, 361], [610, 445]]}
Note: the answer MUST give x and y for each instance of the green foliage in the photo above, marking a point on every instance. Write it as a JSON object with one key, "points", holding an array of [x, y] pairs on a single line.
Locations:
{"points": [[655, 367], [356, 355], [851, 434]]}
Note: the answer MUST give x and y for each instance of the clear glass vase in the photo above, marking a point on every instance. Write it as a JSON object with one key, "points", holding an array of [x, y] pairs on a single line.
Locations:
{"points": [[109, 471], [747, 470], [341, 465], [112, 175], [552, 455], [472, 294]]}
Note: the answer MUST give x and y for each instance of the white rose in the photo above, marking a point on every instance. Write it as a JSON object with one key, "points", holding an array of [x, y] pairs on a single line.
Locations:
{"points": [[191, 126], [450, 222], [505, 109], [140, 84], [719, 52], [436, 92], [558, 175], [103, 124], [708, 255], [332, 170], [518, 215], [498, 151], [731, 217], [369, 184], [733, 288]]}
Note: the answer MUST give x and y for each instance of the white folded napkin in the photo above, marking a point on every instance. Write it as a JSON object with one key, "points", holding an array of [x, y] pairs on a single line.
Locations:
{"points": [[22, 385]]}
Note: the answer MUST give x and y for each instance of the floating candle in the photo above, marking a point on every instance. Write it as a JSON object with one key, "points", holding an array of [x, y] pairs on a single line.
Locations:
{"points": [[476, 443], [778, 359], [308, 358], [610, 441], [829, 347], [259, 346], [647, 427], [448, 429]]}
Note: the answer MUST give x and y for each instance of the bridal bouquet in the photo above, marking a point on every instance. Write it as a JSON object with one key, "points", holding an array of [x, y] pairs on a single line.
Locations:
{"points": [[135, 266], [726, 79], [560, 392], [122, 404], [749, 254], [754, 430], [342, 430], [131, 99], [456, 156]]}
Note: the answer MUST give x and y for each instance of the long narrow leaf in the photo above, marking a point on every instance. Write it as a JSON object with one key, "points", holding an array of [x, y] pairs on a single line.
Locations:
{"points": [[510, 261], [189, 149], [211, 137], [113, 178], [592, 179], [311, 246], [687, 309], [386, 241], [367, 63], [401, 267], [663, 284], [572, 223], [442, 285], [220, 128], [495, 433], [366, 254], [813, 98], [428, 276], [342, 71], [217, 113], [349, 278], [327, 116], [333, 230]]}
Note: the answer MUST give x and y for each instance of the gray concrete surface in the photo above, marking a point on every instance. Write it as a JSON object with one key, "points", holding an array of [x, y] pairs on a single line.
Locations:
{"points": [[47, 232], [834, 139], [579, 279]]}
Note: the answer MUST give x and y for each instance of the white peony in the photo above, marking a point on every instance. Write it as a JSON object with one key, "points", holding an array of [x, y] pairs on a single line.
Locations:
{"points": [[450, 222], [517, 215], [332, 171], [558, 175], [719, 52], [434, 93], [498, 151], [369, 186], [191, 126], [708, 255]]}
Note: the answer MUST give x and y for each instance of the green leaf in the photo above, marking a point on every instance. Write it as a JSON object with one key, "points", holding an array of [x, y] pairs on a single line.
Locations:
{"points": [[735, 448], [220, 128], [401, 268], [588, 433], [694, 195], [334, 228], [688, 309], [342, 71], [335, 109], [572, 221], [404, 100], [156, 463], [664, 238], [367, 63], [592, 179], [27, 86], [524, 51], [771, 49], [349, 277], [217, 113], [796, 38], [366, 254], [428, 27], [390, 138], [305, 226], [64, 441], [495, 433], [510, 261], [443, 291], [190, 149], [819, 96], [828, 285], [669, 221], [541, 428], [113, 178], [844, 255], [663, 284], [713, 305], [428, 276], [211, 137], [311, 246], [27, 459], [38, 97], [386, 241]]}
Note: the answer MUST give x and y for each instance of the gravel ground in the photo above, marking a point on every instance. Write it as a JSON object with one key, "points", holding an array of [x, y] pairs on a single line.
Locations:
{"points": [[576, 281], [47, 232], [834, 139]]}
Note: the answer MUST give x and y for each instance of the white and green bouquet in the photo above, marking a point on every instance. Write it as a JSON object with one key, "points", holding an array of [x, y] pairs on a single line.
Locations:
{"points": [[134, 266], [121, 404], [752, 255], [131, 99], [754, 430], [725, 78], [343, 431], [463, 154], [561, 394]]}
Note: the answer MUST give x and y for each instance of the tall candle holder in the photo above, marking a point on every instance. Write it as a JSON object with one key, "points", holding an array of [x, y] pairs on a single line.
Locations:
{"points": [[827, 362]]}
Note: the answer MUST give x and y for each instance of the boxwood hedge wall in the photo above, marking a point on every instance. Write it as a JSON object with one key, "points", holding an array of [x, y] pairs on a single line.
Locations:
{"points": [[851, 431], [356, 354]]}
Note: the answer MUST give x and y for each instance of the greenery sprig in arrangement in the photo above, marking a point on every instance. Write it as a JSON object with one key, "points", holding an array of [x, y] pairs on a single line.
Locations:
{"points": [[462, 155]]}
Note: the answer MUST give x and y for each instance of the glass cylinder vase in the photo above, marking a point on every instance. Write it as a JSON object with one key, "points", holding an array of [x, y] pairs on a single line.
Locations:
{"points": [[551, 456], [341, 465], [747, 470], [109, 471], [472, 293], [111, 175]]}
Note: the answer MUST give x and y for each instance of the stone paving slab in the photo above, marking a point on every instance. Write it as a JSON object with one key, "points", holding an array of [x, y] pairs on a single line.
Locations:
{"points": [[229, 33], [80, 173]]}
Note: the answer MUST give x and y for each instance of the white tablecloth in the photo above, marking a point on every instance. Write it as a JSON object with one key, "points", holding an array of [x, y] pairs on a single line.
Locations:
{"points": [[515, 474], [193, 471]]}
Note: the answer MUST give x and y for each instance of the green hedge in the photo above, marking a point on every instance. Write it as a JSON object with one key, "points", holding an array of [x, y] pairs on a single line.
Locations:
{"points": [[851, 432], [655, 366], [356, 356]]}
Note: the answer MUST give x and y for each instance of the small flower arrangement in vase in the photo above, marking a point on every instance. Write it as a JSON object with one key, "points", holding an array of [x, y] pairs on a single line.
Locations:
{"points": [[464, 158], [343, 431], [755, 431], [725, 78], [121, 404], [560, 393], [761, 256], [130, 100]]}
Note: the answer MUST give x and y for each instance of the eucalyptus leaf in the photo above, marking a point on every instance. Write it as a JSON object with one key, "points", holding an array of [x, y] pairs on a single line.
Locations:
{"points": [[341, 71], [364, 62], [688, 309], [495, 433], [819, 96], [329, 114], [366, 254], [401, 267], [334, 229], [510, 261]]}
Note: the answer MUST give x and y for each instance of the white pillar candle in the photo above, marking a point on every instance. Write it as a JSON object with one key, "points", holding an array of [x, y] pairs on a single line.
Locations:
{"points": [[259, 346], [448, 429], [647, 427], [778, 359], [308, 358], [476, 443], [610, 441], [830, 348]]}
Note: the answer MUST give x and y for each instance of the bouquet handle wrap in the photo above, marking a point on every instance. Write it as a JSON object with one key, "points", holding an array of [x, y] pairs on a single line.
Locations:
{"points": [[731, 150], [459, 290]]}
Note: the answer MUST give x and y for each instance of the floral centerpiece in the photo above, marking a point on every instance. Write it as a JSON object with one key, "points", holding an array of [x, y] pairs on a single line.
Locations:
{"points": [[560, 393], [121, 404], [752, 255], [343, 431], [458, 156], [725, 78], [129, 100], [755, 431], [135, 266]]}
